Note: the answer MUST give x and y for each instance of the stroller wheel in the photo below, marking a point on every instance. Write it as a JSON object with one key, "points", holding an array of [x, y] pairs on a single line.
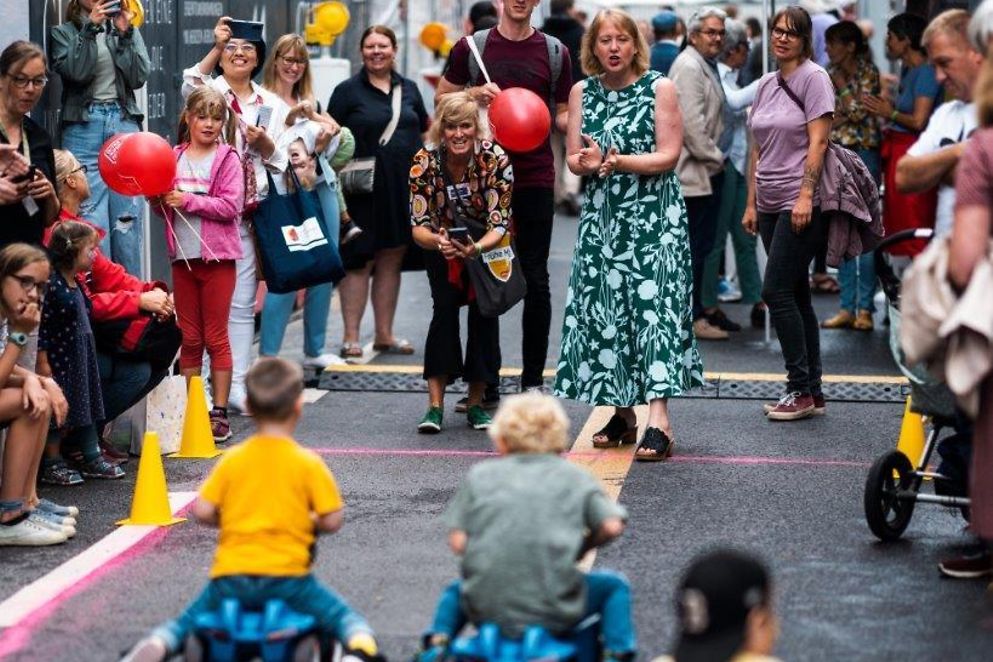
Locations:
{"points": [[887, 514]]}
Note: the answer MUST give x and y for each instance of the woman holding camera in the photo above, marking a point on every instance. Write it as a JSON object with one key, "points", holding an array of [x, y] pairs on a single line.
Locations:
{"points": [[463, 175], [102, 60]]}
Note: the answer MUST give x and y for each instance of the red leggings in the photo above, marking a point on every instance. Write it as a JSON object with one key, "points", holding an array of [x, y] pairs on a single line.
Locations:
{"points": [[203, 305]]}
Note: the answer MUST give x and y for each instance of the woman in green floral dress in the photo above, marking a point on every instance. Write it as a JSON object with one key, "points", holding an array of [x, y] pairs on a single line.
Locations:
{"points": [[627, 338]]}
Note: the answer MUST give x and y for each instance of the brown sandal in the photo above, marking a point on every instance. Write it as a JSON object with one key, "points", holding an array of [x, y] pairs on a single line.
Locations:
{"points": [[615, 433]]}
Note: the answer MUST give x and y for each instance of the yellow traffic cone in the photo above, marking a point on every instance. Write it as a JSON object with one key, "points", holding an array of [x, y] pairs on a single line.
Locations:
{"points": [[150, 505], [198, 440], [911, 441]]}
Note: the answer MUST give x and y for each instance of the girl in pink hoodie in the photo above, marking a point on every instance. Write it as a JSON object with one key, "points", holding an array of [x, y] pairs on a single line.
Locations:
{"points": [[202, 213]]}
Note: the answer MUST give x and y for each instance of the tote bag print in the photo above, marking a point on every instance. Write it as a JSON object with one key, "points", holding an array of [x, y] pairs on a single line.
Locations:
{"points": [[304, 237], [500, 260]]}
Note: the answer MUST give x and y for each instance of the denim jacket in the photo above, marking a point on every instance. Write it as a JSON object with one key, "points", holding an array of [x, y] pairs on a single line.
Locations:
{"points": [[73, 55]]}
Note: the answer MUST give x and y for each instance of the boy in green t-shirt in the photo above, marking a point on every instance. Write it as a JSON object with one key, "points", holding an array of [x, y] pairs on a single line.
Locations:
{"points": [[520, 523], [269, 496]]}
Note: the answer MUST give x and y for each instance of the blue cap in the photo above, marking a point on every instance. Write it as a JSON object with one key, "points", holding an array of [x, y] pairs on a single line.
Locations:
{"points": [[665, 21]]}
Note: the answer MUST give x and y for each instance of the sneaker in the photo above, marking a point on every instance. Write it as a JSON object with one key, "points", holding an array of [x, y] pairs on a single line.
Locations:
{"points": [[434, 648], [29, 533], [820, 406], [52, 507], [704, 330], [99, 468], [791, 407], [726, 292], [721, 321], [150, 649], [968, 566], [431, 423], [220, 426], [491, 400], [236, 402], [478, 418], [112, 454], [61, 520], [59, 473], [348, 232], [323, 361], [68, 531], [757, 316]]}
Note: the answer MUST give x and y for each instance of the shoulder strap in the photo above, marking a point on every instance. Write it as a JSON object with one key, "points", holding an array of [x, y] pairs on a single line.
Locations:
{"points": [[555, 58], [395, 118], [477, 44], [790, 93]]}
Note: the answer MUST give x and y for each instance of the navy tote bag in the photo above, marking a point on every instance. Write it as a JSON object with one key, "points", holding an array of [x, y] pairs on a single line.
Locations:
{"points": [[293, 242]]}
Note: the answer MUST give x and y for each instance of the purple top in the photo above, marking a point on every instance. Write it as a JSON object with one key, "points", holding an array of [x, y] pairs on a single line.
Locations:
{"points": [[779, 128]]}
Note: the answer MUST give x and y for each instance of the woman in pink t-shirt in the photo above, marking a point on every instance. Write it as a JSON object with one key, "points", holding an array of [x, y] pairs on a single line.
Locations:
{"points": [[790, 123]]}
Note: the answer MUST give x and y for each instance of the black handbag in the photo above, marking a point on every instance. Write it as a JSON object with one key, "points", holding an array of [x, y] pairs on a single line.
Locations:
{"points": [[495, 274], [144, 338]]}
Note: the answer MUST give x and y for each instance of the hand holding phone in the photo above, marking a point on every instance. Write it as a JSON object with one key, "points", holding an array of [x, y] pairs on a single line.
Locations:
{"points": [[28, 176], [459, 236], [265, 116]]}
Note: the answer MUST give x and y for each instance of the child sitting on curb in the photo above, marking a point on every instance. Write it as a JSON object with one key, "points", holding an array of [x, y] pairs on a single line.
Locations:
{"points": [[521, 522], [265, 544]]}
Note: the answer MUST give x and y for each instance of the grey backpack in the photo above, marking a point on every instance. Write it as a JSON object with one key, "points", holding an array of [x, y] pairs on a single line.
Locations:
{"points": [[554, 61]]}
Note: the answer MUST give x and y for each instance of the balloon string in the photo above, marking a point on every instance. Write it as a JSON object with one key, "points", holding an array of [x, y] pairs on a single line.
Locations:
{"points": [[176, 239], [197, 234]]}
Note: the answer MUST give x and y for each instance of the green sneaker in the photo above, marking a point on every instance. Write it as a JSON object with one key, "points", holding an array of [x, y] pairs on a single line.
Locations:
{"points": [[431, 423], [478, 418]]}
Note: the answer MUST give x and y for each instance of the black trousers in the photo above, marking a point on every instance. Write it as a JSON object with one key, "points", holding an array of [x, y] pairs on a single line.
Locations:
{"points": [[786, 290], [701, 214], [443, 349], [533, 210]]}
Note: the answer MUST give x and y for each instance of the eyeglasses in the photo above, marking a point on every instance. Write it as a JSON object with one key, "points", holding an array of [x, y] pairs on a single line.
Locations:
{"points": [[292, 61], [30, 285], [710, 34], [788, 35], [81, 168], [244, 48], [20, 82]]}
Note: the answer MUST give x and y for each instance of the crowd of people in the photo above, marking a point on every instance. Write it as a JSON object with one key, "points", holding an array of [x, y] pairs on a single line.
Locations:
{"points": [[664, 142]]}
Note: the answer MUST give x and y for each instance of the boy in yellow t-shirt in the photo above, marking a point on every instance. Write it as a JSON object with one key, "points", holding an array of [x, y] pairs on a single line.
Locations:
{"points": [[269, 496]]}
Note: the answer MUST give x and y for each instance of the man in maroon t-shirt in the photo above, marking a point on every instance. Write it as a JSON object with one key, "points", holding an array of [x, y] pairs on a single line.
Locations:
{"points": [[516, 56]]}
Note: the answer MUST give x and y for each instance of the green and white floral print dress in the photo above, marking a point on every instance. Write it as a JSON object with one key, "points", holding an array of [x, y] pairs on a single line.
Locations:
{"points": [[627, 337]]}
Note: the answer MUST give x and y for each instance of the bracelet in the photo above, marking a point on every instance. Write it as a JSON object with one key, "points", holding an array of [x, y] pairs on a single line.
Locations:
{"points": [[893, 115], [478, 246]]}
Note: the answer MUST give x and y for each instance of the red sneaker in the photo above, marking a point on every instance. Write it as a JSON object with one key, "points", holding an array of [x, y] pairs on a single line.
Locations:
{"points": [[792, 407], [220, 426], [820, 406]]}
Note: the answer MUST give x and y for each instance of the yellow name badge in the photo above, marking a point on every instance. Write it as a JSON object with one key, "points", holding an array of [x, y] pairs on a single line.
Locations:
{"points": [[499, 260]]}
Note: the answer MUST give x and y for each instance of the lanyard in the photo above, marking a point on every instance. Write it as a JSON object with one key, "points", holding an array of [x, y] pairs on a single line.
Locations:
{"points": [[25, 144]]}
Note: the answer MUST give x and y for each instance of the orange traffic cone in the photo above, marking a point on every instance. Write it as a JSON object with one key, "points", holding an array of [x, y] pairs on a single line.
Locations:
{"points": [[198, 440], [911, 441], [150, 505]]}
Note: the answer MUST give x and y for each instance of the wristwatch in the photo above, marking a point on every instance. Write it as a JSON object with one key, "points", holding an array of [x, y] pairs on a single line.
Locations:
{"points": [[18, 338]]}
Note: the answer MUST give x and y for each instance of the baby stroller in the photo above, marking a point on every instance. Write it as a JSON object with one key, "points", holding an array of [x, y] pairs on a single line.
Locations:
{"points": [[894, 485]]}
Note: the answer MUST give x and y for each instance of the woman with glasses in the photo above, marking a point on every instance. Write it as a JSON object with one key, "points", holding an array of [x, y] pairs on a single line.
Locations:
{"points": [[287, 75], [28, 202], [790, 123], [229, 67], [101, 59]]}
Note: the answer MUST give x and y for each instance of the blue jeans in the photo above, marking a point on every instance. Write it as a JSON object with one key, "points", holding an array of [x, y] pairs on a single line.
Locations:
{"points": [[124, 383], [276, 315], [857, 277], [122, 243], [607, 594], [302, 594]]}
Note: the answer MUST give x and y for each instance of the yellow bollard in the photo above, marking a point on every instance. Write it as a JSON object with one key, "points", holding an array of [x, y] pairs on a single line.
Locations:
{"points": [[150, 504], [198, 440], [911, 441]]}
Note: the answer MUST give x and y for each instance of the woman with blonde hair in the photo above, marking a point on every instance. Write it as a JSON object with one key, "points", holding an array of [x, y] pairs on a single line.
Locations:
{"points": [[627, 333], [102, 60], [460, 173]]}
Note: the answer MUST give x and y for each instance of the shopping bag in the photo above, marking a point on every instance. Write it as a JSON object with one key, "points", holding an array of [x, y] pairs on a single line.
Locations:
{"points": [[293, 241], [164, 409]]}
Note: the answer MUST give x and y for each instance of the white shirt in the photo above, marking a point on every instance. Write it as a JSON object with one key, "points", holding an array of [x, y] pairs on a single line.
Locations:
{"points": [[278, 161], [737, 101], [953, 122]]}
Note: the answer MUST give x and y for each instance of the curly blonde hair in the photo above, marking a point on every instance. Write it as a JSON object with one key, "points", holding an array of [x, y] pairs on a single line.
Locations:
{"points": [[531, 423], [455, 108]]}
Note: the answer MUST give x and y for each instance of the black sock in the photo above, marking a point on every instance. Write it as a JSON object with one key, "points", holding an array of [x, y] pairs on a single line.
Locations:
{"points": [[223, 411], [17, 520]]}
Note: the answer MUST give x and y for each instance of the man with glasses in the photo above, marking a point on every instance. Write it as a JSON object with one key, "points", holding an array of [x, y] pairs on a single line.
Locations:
{"points": [[701, 163]]}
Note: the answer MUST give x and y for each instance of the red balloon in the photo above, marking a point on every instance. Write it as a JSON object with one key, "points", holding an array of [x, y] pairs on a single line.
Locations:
{"points": [[519, 119], [138, 164]]}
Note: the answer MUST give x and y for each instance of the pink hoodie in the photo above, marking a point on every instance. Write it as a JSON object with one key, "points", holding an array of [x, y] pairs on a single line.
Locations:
{"points": [[219, 210]]}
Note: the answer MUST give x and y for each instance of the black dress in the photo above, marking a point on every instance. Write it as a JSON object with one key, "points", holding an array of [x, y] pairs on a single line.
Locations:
{"points": [[16, 224], [384, 216]]}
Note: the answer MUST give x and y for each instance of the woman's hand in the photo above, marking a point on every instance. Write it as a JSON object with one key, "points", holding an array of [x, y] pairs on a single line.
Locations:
{"points": [[156, 302], [446, 247], [260, 141], [12, 162], [802, 211], [750, 220], [40, 188], [26, 318], [465, 251], [60, 406], [222, 33], [11, 192], [877, 105], [98, 12], [122, 22], [35, 399], [590, 156], [609, 163]]}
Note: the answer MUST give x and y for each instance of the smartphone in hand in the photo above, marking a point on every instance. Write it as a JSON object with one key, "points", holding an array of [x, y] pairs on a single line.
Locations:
{"points": [[28, 176], [459, 236], [265, 116]]}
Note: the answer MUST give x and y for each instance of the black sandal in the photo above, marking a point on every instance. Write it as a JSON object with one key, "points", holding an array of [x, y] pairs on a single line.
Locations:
{"points": [[615, 433], [655, 446]]}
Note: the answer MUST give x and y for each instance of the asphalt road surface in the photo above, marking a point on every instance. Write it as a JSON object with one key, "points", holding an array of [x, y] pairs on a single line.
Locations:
{"points": [[790, 492]]}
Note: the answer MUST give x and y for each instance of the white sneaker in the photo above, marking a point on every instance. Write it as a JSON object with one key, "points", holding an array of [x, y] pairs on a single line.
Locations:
{"points": [[68, 529], [236, 402], [29, 533], [323, 361]]}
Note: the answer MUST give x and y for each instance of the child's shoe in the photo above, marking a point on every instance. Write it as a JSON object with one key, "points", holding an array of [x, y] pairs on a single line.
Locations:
{"points": [[56, 509], [100, 468], [220, 426], [434, 648], [59, 473], [348, 231]]}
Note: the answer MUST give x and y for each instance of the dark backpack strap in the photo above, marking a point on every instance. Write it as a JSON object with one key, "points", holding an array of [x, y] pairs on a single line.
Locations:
{"points": [[792, 95], [555, 59], [479, 36]]}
